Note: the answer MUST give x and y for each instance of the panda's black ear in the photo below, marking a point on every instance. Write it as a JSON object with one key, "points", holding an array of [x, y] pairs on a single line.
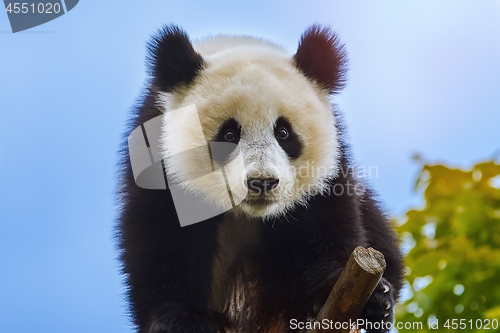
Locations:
{"points": [[172, 61], [322, 58]]}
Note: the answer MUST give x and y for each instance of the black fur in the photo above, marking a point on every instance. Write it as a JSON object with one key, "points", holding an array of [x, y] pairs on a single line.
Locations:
{"points": [[172, 60], [322, 58], [168, 268], [291, 145]]}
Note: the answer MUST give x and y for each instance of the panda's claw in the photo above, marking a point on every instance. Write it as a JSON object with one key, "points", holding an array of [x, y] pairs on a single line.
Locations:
{"points": [[380, 307]]}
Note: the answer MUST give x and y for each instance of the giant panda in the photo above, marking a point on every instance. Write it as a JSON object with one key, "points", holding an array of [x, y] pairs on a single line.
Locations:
{"points": [[278, 110]]}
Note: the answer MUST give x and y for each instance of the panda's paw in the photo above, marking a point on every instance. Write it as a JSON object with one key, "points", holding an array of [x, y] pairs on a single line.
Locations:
{"points": [[178, 318], [378, 314]]}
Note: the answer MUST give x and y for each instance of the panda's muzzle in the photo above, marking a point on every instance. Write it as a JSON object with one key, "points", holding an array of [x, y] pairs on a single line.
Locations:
{"points": [[258, 186]]}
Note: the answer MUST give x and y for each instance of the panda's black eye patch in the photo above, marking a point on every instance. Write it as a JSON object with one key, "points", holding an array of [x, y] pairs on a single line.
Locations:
{"points": [[287, 138], [228, 136], [229, 132]]}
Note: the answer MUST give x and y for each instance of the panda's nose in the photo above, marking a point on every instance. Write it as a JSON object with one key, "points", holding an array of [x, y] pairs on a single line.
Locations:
{"points": [[259, 186]]}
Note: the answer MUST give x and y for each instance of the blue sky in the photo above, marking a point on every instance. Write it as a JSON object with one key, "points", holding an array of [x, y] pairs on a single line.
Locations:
{"points": [[424, 78]]}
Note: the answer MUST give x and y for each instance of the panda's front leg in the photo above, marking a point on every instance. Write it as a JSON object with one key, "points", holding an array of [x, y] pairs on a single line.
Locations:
{"points": [[180, 318], [169, 273], [184, 295]]}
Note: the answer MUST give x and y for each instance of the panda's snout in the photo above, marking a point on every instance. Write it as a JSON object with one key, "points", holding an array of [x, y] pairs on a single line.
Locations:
{"points": [[261, 186]]}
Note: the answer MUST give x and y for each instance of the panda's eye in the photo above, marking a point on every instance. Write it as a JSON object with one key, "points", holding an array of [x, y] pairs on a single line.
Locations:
{"points": [[282, 133], [230, 135]]}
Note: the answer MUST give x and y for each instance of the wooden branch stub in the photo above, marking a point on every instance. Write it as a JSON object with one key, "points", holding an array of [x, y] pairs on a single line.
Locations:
{"points": [[353, 288]]}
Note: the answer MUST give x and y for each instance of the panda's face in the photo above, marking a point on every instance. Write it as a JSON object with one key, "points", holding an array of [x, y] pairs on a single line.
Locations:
{"points": [[281, 123]]}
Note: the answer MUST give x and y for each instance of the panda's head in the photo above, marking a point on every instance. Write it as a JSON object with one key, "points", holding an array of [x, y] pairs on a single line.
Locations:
{"points": [[273, 110]]}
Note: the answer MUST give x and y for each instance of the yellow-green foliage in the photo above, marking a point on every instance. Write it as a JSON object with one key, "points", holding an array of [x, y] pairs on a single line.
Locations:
{"points": [[454, 264]]}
